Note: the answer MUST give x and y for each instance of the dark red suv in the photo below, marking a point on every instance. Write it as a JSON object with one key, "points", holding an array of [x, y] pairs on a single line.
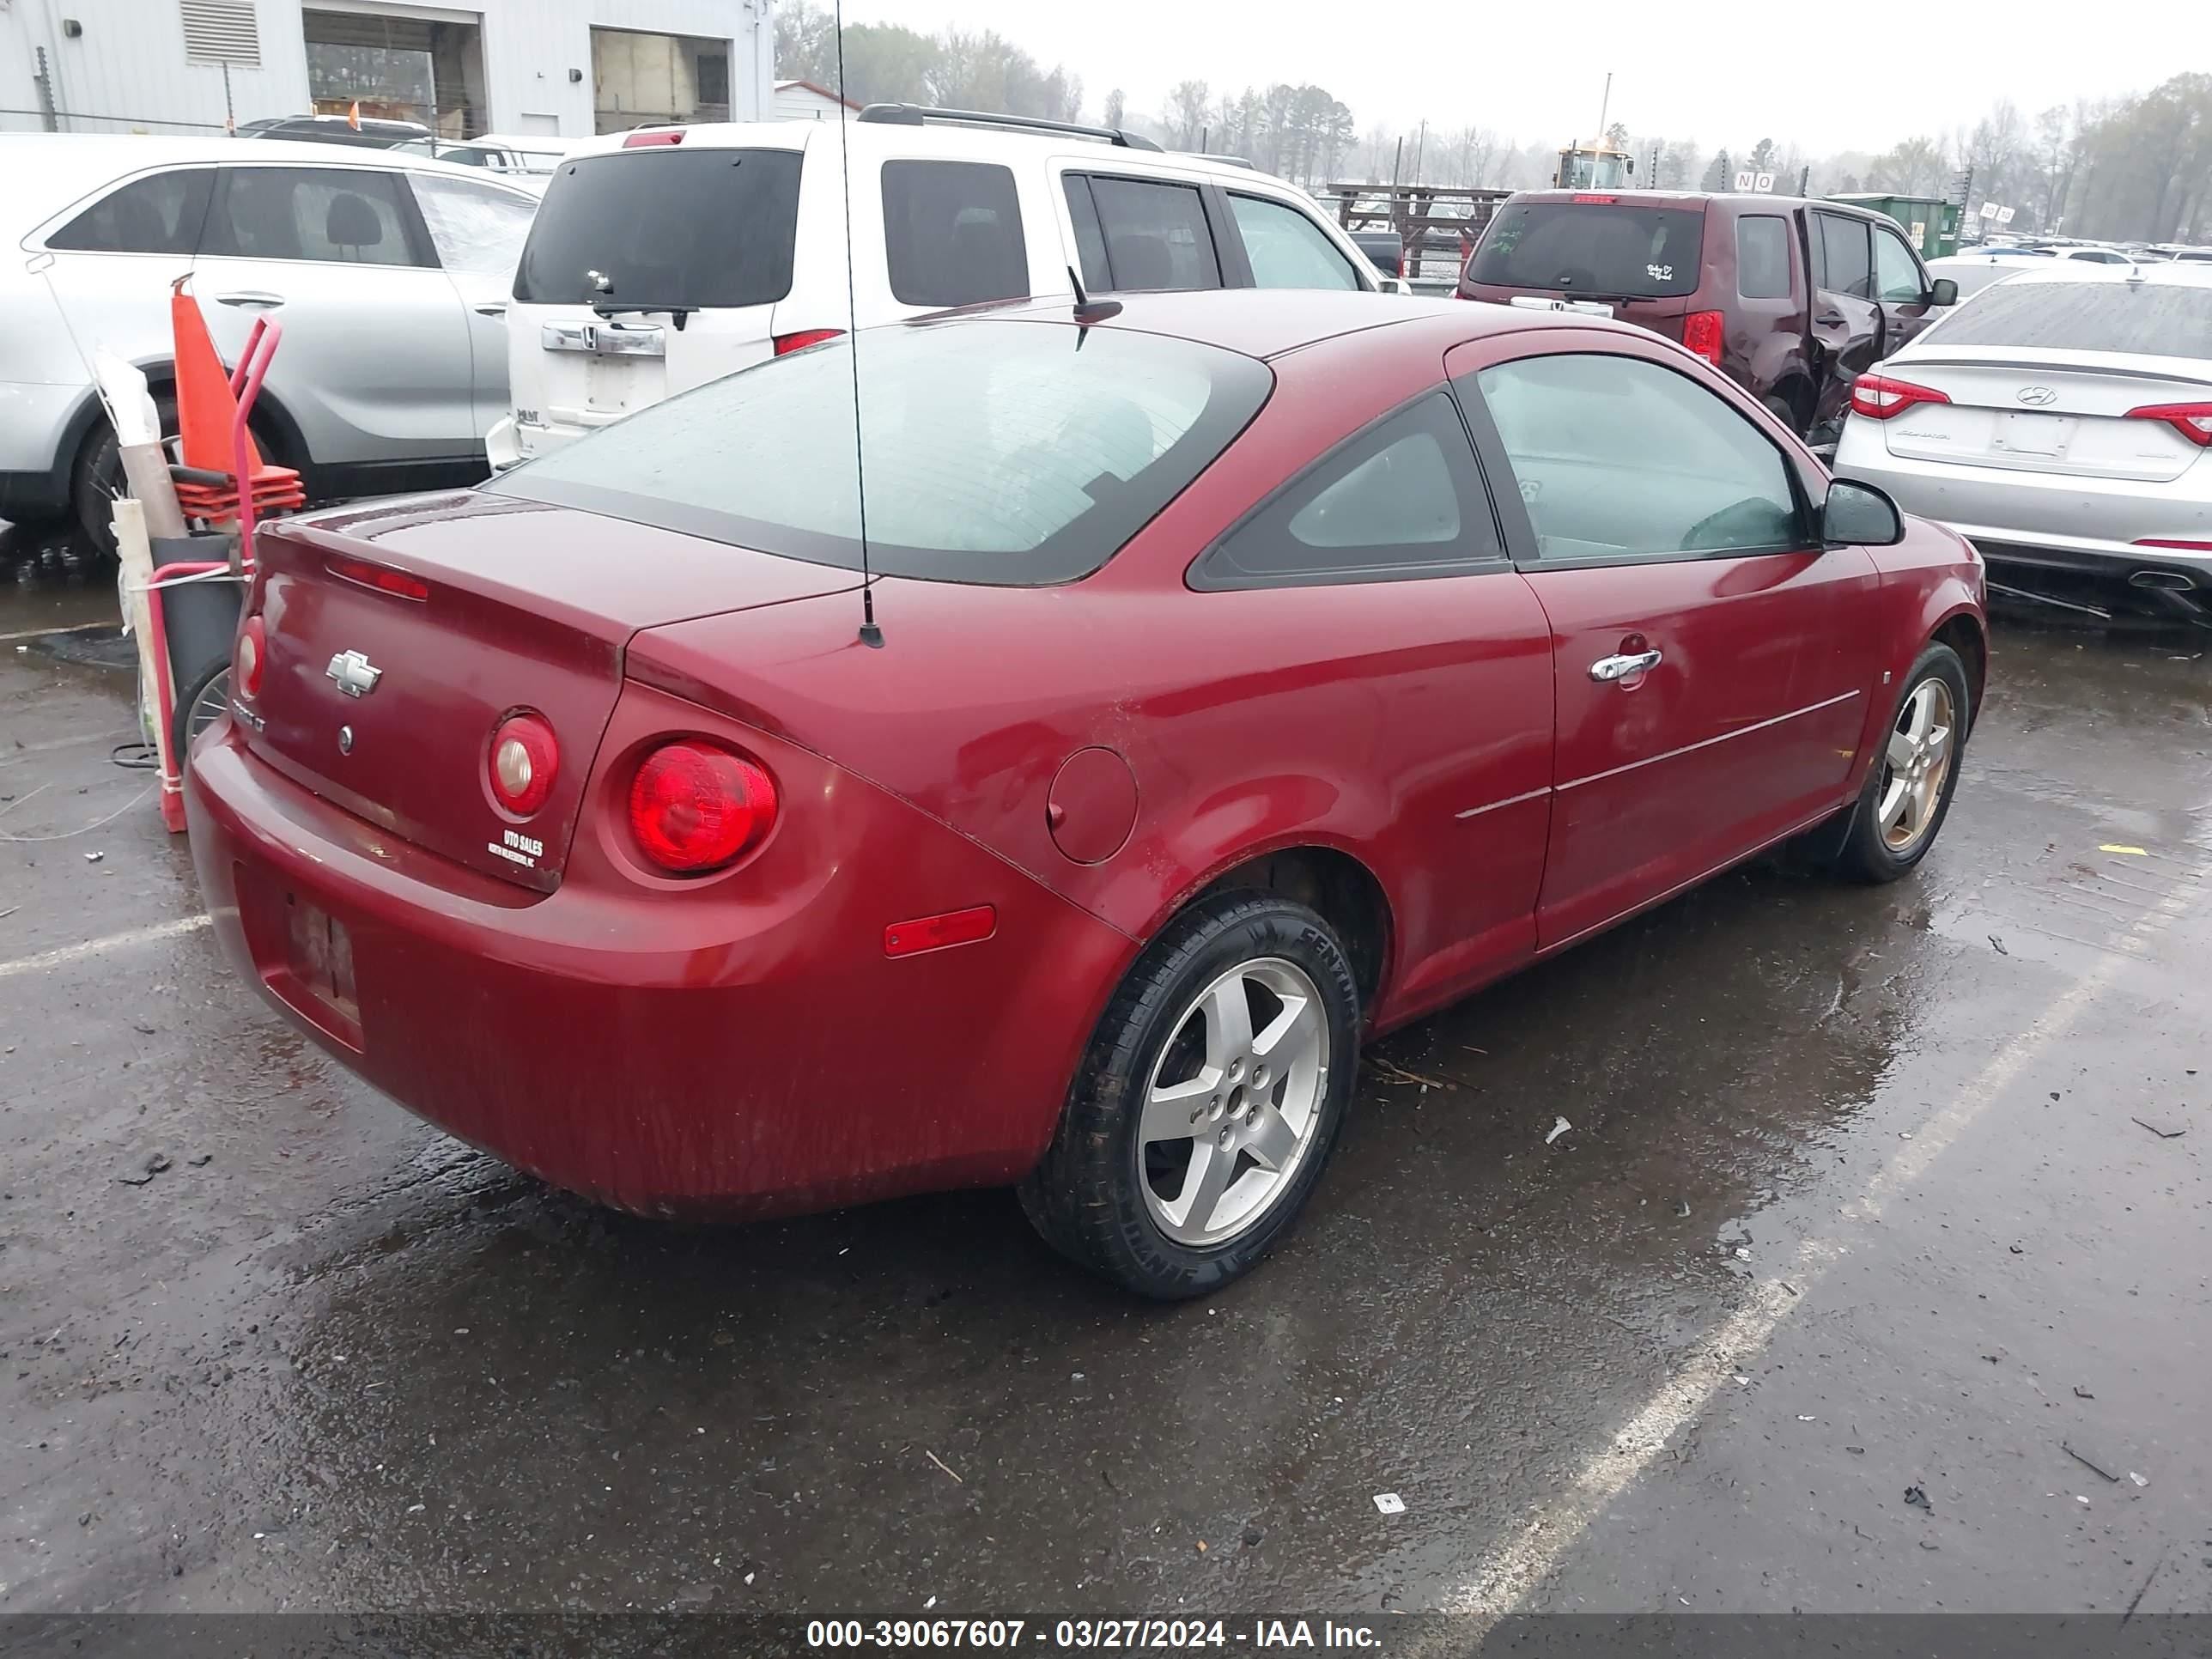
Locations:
{"points": [[1791, 299]]}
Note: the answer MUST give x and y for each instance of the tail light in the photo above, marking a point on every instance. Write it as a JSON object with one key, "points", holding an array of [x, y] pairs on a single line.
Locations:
{"points": [[1701, 335], [1605, 201], [251, 658], [383, 579], [803, 338], [2192, 421], [2187, 547], [1877, 396], [661, 136], [522, 762], [693, 807]]}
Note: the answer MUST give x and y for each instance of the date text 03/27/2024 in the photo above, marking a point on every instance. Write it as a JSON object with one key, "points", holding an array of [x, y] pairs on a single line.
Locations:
{"points": [[1126, 1635]]}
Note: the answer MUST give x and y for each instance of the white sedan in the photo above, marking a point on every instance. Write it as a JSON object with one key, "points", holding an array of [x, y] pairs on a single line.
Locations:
{"points": [[2063, 420]]}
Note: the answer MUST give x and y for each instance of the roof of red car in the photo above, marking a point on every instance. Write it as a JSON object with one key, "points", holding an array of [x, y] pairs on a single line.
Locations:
{"points": [[1268, 322]]}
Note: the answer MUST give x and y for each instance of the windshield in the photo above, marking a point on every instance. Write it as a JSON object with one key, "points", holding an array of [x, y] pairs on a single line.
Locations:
{"points": [[665, 227], [2147, 318], [1015, 453], [1596, 247]]}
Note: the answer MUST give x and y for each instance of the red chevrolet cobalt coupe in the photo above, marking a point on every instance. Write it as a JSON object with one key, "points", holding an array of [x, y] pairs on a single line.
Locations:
{"points": [[1257, 672]]}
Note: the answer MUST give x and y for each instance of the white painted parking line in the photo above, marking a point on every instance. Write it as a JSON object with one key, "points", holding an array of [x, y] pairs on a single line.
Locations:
{"points": [[1506, 1574], [48, 633], [94, 947]]}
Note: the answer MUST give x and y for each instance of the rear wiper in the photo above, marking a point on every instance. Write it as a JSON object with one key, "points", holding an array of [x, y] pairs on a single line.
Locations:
{"points": [[681, 314]]}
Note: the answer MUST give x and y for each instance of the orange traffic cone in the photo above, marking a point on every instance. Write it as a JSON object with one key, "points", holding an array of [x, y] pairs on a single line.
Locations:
{"points": [[206, 411]]}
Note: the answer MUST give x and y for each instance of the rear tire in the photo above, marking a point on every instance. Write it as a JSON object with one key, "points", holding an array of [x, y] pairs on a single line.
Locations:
{"points": [[1209, 1101], [202, 705], [1909, 786]]}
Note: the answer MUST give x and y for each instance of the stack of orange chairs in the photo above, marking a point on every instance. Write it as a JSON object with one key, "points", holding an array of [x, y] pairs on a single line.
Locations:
{"points": [[207, 419]]}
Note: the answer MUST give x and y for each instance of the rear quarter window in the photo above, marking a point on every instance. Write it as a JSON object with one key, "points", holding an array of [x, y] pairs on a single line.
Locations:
{"points": [[159, 215], [664, 226], [1762, 257], [952, 233]]}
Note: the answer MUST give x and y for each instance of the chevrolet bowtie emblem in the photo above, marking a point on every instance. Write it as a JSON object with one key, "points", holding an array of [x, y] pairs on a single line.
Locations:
{"points": [[353, 673]]}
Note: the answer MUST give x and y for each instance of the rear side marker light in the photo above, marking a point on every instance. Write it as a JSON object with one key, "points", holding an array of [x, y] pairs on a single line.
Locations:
{"points": [[252, 656], [2192, 421], [1701, 335], [911, 938], [383, 580], [2186, 547], [806, 337], [694, 807], [522, 763], [1878, 398], [641, 140]]}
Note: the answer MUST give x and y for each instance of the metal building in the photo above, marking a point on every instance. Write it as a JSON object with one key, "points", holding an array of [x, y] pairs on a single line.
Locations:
{"points": [[565, 68]]}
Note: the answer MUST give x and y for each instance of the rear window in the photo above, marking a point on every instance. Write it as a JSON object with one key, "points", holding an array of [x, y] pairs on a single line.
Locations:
{"points": [[1595, 248], [1013, 454], [665, 227], [2156, 320], [952, 233]]}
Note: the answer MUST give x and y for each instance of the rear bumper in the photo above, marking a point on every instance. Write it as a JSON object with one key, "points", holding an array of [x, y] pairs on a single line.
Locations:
{"points": [[732, 1049]]}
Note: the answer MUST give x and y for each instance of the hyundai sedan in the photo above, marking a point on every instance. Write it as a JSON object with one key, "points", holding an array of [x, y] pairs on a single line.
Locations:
{"points": [[1054, 781]]}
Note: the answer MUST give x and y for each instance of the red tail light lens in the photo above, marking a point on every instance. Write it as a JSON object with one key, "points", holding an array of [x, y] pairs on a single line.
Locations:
{"points": [[1607, 201], [1701, 335], [251, 658], [2192, 421], [803, 338], [640, 140], [694, 807], [1877, 396], [522, 763]]}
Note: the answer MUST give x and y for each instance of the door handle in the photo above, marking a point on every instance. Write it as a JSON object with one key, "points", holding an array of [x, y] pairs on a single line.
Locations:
{"points": [[491, 308], [1831, 320], [1607, 669], [252, 298]]}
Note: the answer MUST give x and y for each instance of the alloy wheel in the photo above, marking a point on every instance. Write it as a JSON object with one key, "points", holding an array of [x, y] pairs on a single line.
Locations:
{"points": [[1915, 765]]}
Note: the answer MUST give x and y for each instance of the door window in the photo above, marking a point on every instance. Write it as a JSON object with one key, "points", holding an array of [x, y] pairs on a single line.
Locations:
{"points": [[1400, 499], [1138, 234], [1618, 458], [1286, 248], [1897, 274], [344, 215], [1844, 262], [156, 214], [1762, 257], [473, 227], [952, 233]]}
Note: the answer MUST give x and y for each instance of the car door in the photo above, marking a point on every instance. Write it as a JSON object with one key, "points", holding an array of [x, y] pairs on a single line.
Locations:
{"points": [[374, 366], [478, 231], [1710, 657], [1900, 289], [1368, 609], [1846, 320]]}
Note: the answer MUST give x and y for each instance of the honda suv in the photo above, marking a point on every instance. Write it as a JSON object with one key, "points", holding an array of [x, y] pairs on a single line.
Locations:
{"points": [[1791, 299], [668, 256]]}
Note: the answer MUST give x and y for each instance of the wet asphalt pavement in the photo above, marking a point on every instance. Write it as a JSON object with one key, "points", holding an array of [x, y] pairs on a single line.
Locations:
{"points": [[1855, 1201]]}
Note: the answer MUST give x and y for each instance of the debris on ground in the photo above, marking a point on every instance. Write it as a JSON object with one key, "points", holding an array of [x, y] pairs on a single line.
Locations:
{"points": [[155, 1165], [1995, 1357], [93, 858], [1560, 1126], [202, 1161], [2080, 1393], [1252, 1536], [1395, 1074], [2166, 1128], [1918, 1499], [2086, 1461], [2000, 944], [2131, 852], [942, 1464], [1389, 1503]]}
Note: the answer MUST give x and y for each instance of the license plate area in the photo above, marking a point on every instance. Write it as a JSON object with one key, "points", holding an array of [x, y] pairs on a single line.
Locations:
{"points": [[305, 958], [2023, 433]]}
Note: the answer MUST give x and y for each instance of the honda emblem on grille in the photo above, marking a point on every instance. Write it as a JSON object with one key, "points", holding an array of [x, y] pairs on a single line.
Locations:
{"points": [[353, 673], [2042, 396]]}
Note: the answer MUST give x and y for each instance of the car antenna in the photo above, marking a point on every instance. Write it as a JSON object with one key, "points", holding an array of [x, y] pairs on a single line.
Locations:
{"points": [[870, 635], [1088, 310]]}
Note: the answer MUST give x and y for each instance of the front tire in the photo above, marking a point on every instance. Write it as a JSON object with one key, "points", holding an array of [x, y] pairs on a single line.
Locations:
{"points": [[1909, 787], [1208, 1102]]}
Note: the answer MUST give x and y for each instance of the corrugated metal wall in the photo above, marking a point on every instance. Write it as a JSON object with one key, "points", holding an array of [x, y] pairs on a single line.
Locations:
{"points": [[128, 68]]}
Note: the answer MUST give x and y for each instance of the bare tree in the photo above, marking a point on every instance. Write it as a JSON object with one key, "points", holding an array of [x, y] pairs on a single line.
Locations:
{"points": [[1117, 106], [1185, 113]]}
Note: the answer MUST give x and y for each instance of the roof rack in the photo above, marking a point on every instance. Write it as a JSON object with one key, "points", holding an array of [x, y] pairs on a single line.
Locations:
{"points": [[914, 115]]}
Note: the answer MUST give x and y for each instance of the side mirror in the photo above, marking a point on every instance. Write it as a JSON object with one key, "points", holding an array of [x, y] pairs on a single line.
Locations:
{"points": [[1861, 515], [1943, 292]]}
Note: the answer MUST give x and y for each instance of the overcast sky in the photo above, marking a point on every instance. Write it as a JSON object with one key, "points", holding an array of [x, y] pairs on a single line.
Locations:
{"points": [[1850, 77]]}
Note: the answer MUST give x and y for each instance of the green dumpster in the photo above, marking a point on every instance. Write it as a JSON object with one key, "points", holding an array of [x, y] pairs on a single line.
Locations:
{"points": [[1932, 224]]}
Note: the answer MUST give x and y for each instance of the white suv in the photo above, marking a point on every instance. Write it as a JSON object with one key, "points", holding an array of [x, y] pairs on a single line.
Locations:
{"points": [[669, 256]]}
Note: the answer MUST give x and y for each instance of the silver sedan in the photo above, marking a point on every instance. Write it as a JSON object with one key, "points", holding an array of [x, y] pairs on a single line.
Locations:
{"points": [[2061, 420]]}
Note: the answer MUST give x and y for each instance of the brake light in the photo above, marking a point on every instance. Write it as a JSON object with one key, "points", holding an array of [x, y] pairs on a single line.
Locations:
{"points": [[398, 582], [803, 338], [1605, 201], [521, 762], [252, 657], [640, 140], [2192, 421], [908, 939], [1701, 335], [1878, 398], [2188, 547], [694, 807]]}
